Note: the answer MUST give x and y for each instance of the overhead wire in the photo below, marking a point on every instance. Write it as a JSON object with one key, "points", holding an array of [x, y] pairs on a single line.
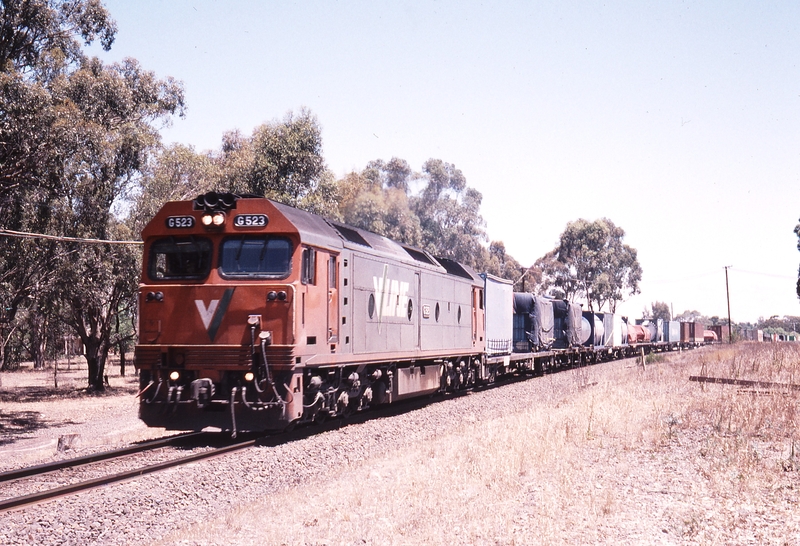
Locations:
{"points": [[26, 235]]}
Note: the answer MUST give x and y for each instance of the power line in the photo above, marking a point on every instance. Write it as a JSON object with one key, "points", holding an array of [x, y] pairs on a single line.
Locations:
{"points": [[710, 273], [25, 235], [682, 279], [762, 274]]}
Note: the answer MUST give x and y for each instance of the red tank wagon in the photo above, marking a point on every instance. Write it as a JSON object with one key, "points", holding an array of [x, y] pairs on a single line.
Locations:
{"points": [[256, 316]]}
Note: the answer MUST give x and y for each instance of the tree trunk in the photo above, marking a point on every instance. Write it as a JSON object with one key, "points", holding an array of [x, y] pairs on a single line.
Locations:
{"points": [[38, 325], [96, 360], [122, 358]]}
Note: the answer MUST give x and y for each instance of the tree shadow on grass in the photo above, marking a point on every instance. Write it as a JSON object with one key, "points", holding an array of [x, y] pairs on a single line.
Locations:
{"points": [[15, 424], [41, 394]]}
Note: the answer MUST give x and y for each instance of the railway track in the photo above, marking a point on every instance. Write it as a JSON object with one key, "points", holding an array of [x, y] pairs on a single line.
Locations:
{"points": [[47, 494]]}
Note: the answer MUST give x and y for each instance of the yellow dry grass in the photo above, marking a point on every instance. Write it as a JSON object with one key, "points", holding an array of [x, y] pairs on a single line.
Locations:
{"points": [[611, 454]]}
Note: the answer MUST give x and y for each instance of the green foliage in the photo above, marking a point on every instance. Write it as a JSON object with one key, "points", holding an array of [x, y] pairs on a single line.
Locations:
{"points": [[654, 358], [778, 324], [692, 316], [282, 160], [658, 310], [32, 32], [74, 134], [503, 265], [449, 214], [592, 262], [176, 173], [443, 217], [382, 210]]}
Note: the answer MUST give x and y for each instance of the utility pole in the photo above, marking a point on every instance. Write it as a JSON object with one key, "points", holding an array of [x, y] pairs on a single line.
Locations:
{"points": [[728, 294]]}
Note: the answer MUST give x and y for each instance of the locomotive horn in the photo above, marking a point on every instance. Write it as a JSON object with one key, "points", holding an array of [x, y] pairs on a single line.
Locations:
{"points": [[210, 200], [227, 200]]}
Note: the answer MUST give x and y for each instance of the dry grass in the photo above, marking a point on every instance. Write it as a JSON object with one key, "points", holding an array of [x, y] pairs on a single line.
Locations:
{"points": [[609, 454]]}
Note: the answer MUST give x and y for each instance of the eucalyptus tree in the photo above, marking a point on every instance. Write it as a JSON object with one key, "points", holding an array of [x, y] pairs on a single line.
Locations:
{"points": [[112, 111], [177, 172], [592, 262], [39, 41], [501, 264], [449, 214], [377, 200], [658, 310], [74, 134], [797, 232], [433, 209]]}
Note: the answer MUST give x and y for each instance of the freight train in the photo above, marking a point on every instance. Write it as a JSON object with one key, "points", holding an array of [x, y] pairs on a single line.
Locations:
{"points": [[254, 315]]}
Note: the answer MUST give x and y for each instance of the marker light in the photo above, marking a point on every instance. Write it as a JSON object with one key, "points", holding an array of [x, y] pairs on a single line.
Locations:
{"points": [[248, 376], [174, 375]]}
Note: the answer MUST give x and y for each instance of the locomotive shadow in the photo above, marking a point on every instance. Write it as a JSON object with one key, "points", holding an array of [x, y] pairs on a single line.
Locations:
{"points": [[214, 439], [389, 411]]}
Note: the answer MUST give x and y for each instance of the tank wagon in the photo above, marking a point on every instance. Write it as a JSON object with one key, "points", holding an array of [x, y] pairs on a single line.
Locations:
{"points": [[254, 315]]}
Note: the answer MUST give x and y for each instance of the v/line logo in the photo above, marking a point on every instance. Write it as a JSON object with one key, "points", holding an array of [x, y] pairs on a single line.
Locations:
{"points": [[391, 295], [212, 314]]}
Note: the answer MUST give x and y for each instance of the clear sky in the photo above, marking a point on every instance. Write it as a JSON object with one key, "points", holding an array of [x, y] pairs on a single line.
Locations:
{"points": [[679, 121]]}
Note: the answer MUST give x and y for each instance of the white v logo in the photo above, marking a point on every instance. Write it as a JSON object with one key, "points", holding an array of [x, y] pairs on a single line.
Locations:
{"points": [[206, 314]]}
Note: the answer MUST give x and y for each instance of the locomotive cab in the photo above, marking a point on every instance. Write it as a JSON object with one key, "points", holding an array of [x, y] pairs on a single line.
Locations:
{"points": [[226, 285]]}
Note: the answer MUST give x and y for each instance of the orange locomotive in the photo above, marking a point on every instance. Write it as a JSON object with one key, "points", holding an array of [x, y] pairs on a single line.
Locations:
{"points": [[256, 316]]}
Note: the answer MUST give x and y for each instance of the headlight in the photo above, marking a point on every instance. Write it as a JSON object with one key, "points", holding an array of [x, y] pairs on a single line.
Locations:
{"points": [[248, 376], [174, 376], [206, 219], [218, 219]]}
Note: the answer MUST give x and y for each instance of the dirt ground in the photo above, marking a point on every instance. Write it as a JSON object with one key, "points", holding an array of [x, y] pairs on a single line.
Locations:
{"points": [[609, 454], [40, 421]]}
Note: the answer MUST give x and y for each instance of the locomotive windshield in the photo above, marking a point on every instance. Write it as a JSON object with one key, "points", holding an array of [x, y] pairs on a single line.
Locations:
{"points": [[180, 258], [256, 256]]}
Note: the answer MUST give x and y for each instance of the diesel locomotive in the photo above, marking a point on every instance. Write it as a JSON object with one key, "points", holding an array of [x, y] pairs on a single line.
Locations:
{"points": [[256, 315]]}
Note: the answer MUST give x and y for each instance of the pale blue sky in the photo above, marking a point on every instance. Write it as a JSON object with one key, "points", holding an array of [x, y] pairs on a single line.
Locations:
{"points": [[679, 121]]}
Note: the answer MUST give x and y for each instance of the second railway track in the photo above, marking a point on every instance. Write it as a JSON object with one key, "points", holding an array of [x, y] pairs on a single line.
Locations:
{"points": [[51, 485]]}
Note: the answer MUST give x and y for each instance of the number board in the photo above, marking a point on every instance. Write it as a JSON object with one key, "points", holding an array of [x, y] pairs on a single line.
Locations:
{"points": [[180, 222], [250, 220]]}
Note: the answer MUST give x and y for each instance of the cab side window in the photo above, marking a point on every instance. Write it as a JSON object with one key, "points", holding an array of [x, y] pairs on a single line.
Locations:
{"points": [[309, 266]]}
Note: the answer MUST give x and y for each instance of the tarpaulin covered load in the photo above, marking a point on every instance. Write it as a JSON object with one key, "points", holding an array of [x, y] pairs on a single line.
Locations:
{"points": [[537, 320], [567, 324], [638, 334]]}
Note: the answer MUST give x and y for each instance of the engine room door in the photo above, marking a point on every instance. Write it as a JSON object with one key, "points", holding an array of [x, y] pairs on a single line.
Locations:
{"points": [[333, 301], [417, 313], [477, 304]]}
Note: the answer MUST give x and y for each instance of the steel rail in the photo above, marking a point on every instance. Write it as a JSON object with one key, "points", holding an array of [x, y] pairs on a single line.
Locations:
{"points": [[745, 383], [49, 494], [45, 468]]}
